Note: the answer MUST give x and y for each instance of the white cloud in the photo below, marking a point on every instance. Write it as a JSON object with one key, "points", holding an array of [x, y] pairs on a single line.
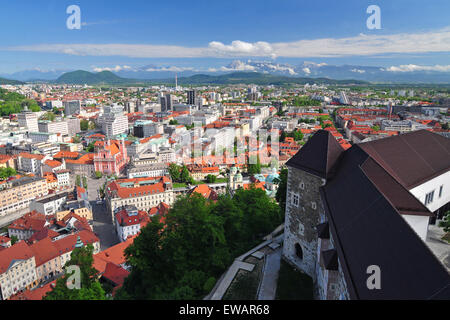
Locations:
{"points": [[309, 63], [414, 67], [436, 41], [358, 71], [238, 66], [113, 69], [365, 45], [241, 48], [171, 69], [306, 70]]}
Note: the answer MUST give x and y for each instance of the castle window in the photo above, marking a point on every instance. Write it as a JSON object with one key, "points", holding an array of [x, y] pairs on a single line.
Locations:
{"points": [[299, 250], [295, 199], [302, 186], [301, 229], [313, 205]]}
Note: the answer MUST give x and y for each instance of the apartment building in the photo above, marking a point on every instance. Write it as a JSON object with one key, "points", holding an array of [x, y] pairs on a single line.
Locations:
{"points": [[17, 269], [60, 127], [81, 212], [129, 221], [151, 170], [113, 121], [50, 205], [143, 193], [31, 163], [17, 194], [27, 225], [28, 120], [39, 137]]}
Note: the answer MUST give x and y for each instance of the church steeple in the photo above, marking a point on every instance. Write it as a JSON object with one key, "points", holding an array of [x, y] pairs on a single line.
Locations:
{"points": [[79, 243]]}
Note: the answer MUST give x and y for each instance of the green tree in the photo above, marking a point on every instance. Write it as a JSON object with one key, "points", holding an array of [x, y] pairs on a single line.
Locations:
{"points": [[175, 172], [210, 178], [445, 223], [254, 168], [376, 128], [78, 181], [85, 184], [90, 287], [98, 174], [185, 177], [282, 189], [173, 122], [14, 240], [183, 258], [90, 147], [6, 173], [84, 125]]}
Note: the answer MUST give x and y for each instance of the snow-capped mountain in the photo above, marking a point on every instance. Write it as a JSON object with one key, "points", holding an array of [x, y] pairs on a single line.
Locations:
{"points": [[404, 73]]}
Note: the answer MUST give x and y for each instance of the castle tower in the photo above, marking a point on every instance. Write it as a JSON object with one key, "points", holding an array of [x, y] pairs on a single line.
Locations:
{"points": [[308, 170]]}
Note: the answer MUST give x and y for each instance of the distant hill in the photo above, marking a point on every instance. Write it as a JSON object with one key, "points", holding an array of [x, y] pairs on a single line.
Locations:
{"points": [[12, 82], [84, 77], [106, 77], [259, 79]]}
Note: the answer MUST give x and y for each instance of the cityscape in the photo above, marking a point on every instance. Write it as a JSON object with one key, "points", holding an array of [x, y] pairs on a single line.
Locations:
{"points": [[255, 170]]}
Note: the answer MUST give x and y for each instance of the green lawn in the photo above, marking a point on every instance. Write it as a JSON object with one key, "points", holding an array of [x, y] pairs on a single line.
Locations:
{"points": [[179, 185], [245, 284], [293, 284]]}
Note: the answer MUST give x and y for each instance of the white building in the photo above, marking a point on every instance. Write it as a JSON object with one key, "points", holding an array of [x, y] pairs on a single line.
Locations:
{"points": [[63, 177], [37, 137], [28, 120], [17, 270], [114, 121], [128, 222], [49, 205], [60, 127]]}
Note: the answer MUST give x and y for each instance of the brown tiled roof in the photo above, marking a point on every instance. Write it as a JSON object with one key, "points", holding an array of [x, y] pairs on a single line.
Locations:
{"points": [[362, 206], [318, 155], [429, 155]]}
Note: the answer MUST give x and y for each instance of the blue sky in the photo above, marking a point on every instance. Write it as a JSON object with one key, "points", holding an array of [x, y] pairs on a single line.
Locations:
{"points": [[209, 34]]}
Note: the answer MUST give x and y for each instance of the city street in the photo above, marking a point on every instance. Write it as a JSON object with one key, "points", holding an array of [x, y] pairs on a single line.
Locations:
{"points": [[103, 226]]}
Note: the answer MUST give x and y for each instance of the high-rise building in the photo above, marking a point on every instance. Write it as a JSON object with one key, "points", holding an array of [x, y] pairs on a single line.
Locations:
{"points": [[169, 101], [72, 107], [28, 120], [191, 97], [73, 125], [343, 98], [163, 102], [114, 121], [131, 106], [166, 101]]}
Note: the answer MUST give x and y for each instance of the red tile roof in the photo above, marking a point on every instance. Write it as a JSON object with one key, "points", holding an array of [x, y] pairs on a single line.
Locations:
{"points": [[19, 251], [115, 273]]}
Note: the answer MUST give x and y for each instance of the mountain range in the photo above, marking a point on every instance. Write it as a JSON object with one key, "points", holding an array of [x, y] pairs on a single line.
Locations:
{"points": [[311, 70], [107, 77]]}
